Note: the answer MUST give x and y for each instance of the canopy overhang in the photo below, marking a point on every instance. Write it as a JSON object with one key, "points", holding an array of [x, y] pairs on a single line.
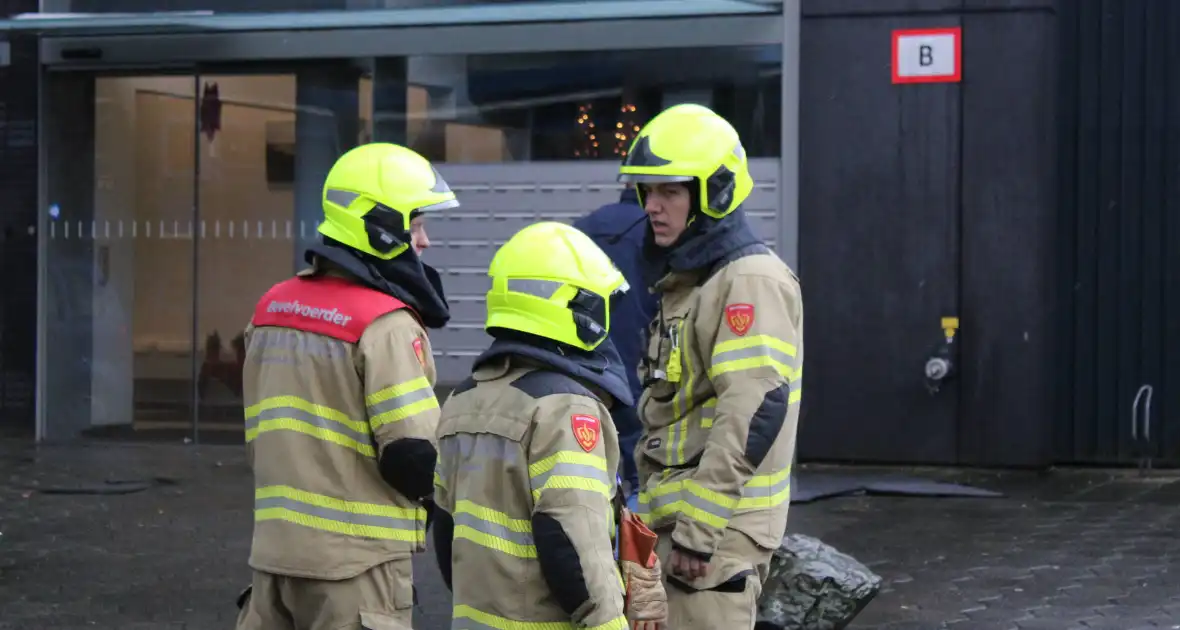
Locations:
{"points": [[110, 24], [143, 40]]}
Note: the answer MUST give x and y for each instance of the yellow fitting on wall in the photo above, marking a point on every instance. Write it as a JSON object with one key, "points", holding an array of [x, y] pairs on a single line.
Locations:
{"points": [[949, 326]]}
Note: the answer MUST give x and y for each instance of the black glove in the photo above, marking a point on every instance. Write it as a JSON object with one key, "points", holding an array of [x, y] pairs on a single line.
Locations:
{"points": [[429, 505], [244, 596]]}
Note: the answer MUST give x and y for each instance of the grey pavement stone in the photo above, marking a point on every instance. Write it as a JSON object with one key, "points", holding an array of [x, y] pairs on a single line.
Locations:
{"points": [[1065, 551]]}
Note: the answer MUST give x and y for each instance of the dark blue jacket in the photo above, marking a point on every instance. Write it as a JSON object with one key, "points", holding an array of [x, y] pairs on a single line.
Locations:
{"points": [[618, 229]]}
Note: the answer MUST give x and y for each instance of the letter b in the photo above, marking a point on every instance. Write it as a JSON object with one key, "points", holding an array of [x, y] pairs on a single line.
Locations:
{"points": [[925, 55]]}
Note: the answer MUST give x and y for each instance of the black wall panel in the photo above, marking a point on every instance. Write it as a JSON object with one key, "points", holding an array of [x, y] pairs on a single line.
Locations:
{"points": [[18, 245], [1119, 231], [878, 247], [1008, 219], [923, 201]]}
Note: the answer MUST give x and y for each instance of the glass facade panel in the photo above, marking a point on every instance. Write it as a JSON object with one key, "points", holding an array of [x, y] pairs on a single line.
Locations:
{"points": [[583, 106], [174, 202], [266, 144], [118, 272]]}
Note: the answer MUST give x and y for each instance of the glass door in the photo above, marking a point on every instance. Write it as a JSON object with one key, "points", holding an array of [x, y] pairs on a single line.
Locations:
{"points": [[172, 204], [118, 257], [267, 140]]}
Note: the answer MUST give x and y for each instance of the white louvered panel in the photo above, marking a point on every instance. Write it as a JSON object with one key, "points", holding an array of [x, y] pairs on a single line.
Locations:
{"points": [[500, 199]]}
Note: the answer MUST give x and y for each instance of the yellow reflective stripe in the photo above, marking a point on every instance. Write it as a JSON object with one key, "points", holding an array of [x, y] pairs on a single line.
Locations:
{"points": [[291, 413], [438, 480], [681, 399], [796, 380], [748, 353], [688, 498], [708, 412], [400, 401], [570, 470], [618, 623], [350, 518], [674, 442], [494, 530], [475, 619], [677, 433], [766, 491]]}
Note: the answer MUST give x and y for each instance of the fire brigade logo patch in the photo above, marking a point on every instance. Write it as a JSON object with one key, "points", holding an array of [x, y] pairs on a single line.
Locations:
{"points": [[739, 318], [586, 430], [418, 352]]}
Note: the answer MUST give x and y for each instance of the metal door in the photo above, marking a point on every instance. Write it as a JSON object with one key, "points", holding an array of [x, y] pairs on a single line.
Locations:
{"points": [[879, 246]]}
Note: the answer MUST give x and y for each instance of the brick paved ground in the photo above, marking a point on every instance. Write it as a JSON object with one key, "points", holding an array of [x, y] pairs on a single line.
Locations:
{"points": [[1074, 550]]}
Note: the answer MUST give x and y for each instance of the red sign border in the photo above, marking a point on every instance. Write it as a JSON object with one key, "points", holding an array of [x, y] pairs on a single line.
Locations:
{"points": [[955, 77]]}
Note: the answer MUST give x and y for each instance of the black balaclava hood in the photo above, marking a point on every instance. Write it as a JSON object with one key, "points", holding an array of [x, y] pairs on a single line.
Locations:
{"points": [[405, 277], [705, 242], [600, 367]]}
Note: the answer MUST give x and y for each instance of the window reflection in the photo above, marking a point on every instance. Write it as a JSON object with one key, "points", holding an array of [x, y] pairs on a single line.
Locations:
{"points": [[178, 200], [585, 106]]}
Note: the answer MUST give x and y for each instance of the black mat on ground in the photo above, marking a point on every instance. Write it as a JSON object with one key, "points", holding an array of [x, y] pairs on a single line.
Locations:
{"points": [[814, 486]]}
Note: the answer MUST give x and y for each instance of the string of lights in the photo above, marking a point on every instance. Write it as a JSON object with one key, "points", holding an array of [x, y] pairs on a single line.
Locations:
{"points": [[625, 129], [626, 126], [589, 132]]}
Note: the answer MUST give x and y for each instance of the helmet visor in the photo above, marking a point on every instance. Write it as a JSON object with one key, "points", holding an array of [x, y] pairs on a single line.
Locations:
{"points": [[442, 205], [440, 188]]}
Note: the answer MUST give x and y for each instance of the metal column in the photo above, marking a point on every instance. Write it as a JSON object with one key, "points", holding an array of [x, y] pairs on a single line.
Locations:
{"points": [[788, 183]]}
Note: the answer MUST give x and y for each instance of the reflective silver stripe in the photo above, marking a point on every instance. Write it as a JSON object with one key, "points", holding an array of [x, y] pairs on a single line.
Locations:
{"points": [[678, 432], [766, 492], [340, 516], [473, 451], [708, 413], [683, 402], [674, 433], [493, 529], [756, 351], [281, 413], [397, 402], [343, 198], [570, 470], [543, 289], [692, 500]]}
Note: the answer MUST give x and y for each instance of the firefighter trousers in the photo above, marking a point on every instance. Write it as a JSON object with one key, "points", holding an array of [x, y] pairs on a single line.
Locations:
{"points": [[381, 598], [727, 597]]}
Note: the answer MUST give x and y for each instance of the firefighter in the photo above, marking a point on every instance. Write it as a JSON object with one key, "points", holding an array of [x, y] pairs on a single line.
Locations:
{"points": [[340, 406], [527, 450], [722, 372]]}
